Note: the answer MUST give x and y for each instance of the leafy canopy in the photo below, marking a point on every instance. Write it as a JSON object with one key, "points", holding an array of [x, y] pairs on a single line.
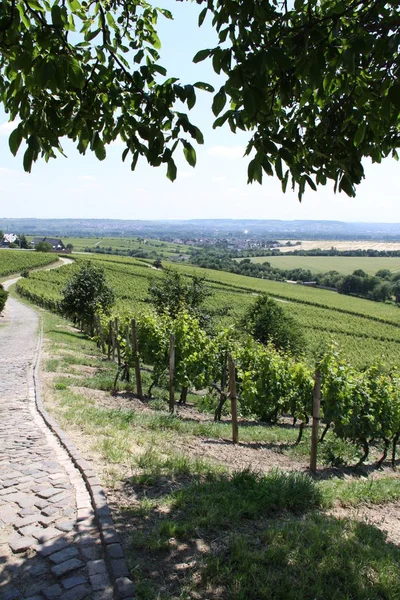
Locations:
{"points": [[43, 247], [173, 293], [86, 294], [268, 323], [316, 82]]}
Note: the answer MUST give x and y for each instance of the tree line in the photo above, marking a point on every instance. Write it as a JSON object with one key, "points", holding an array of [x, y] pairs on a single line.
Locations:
{"points": [[381, 287]]}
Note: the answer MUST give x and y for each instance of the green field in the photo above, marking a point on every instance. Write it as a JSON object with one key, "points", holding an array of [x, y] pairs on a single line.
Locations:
{"points": [[14, 261], [365, 330], [322, 264], [150, 246]]}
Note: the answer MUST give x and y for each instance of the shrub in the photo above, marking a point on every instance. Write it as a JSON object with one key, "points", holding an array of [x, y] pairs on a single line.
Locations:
{"points": [[3, 297], [269, 323], [86, 292]]}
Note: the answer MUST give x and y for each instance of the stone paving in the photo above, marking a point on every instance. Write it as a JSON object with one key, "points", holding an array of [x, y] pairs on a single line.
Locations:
{"points": [[50, 546]]}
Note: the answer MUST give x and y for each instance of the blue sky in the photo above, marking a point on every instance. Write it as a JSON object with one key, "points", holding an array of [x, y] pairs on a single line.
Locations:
{"points": [[83, 187]]}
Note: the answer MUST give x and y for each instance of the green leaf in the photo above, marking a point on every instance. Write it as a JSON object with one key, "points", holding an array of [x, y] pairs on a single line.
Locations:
{"points": [[98, 147], [28, 158], [249, 102], [15, 139], [360, 134], [202, 16], [35, 5], [311, 183], [346, 185], [254, 171], [221, 120], [219, 101], [155, 40], [203, 86], [171, 171], [285, 181], [201, 55], [190, 96], [56, 15], [278, 167], [394, 95], [190, 154]]}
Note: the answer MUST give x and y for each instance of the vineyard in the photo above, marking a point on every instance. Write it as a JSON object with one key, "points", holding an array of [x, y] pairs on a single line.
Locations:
{"points": [[150, 246], [365, 331], [187, 500], [15, 261], [363, 407]]}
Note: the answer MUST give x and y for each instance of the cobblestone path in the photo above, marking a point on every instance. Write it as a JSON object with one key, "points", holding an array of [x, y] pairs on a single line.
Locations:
{"points": [[50, 547]]}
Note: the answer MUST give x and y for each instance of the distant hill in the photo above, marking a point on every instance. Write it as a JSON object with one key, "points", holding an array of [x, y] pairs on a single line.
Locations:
{"points": [[328, 230]]}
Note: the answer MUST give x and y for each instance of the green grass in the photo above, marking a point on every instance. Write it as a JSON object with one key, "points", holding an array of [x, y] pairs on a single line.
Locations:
{"points": [[359, 491], [200, 531], [322, 264], [316, 557]]}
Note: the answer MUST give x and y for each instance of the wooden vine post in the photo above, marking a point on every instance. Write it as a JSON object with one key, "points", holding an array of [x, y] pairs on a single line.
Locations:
{"points": [[102, 344], [128, 346], [117, 341], [171, 373], [138, 376], [315, 423], [233, 397], [113, 343]]}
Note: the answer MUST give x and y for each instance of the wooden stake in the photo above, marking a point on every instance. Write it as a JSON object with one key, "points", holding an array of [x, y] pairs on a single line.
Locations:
{"points": [[138, 375], [112, 340], [103, 347], [315, 423], [233, 397], [171, 373], [117, 341]]}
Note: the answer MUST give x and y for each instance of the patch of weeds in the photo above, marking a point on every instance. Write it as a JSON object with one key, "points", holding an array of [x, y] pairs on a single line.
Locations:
{"points": [[359, 491], [157, 404], [315, 557], [144, 590], [101, 381], [209, 403], [338, 453], [224, 502], [60, 385], [173, 464], [114, 448], [52, 365]]}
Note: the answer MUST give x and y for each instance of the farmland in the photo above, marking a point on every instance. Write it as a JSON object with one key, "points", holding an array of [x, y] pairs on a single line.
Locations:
{"points": [[322, 264], [342, 245], [150, 246], [14, 261], [186, 500], [365, 330]]}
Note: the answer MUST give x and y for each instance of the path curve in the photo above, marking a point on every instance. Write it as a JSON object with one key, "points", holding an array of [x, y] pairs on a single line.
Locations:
{"points": [[50, 543]]}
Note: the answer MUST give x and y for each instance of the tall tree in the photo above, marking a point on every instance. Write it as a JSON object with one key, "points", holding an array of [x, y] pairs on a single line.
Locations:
{"points": [[316, 82]]}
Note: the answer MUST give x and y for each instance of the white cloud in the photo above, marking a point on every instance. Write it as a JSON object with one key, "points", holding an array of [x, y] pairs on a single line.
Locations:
{"points": [[87, 178], [9, 126], [184, 174], [218, 179], [230, 152], [5, 172]]}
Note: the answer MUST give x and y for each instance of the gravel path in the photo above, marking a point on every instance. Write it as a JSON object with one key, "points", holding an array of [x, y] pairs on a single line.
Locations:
{"points": [[50, 547]]}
